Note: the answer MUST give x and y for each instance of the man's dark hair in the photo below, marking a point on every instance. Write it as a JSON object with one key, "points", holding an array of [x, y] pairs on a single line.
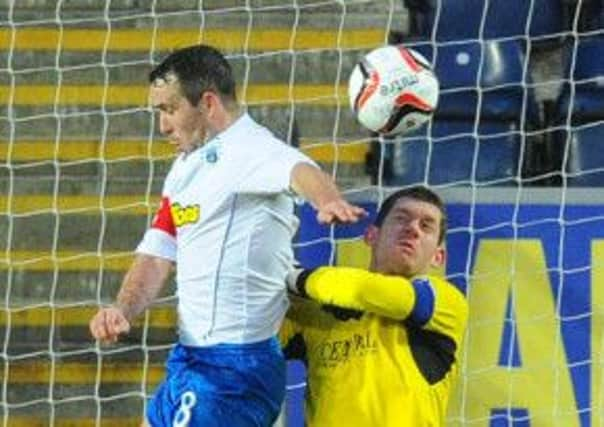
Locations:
{"points": [[420, 193], [198, 69]]}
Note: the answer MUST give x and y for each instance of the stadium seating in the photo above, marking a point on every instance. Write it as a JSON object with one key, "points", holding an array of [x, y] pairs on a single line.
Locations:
{"points": [[581, 106], [591, 14], [585, 165], [456, 152], [584, 63], [447, 20], [495, 69], [482, 104]]}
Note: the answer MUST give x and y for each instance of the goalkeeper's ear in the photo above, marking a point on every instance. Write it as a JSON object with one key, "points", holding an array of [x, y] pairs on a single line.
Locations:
{"points": [[439, 258]]}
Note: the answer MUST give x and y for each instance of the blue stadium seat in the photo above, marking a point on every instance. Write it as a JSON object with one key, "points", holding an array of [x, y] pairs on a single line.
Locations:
{"points": [[582, 106], [463, 19], [490, 73], [456, 153], [591, 14], [585, 165], [584, 67], [480, 83]]}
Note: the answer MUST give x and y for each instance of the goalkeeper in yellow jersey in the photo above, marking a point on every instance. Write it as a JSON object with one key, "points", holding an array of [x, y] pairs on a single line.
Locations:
{"points": [[381, 346]]}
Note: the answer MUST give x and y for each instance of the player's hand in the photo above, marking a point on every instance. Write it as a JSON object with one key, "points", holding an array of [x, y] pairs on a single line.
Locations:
{"points": [[341, 212], [108, 324]]}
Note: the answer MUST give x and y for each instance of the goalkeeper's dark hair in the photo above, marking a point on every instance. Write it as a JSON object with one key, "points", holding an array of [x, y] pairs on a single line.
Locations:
{"points": [[420, 193], [198, 69]]}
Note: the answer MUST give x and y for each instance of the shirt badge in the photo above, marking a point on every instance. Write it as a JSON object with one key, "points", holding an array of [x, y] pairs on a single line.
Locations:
{"points": [[212, 155]]}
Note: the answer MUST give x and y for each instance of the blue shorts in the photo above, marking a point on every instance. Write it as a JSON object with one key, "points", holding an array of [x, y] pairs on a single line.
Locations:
{"points": [[226, 385]]}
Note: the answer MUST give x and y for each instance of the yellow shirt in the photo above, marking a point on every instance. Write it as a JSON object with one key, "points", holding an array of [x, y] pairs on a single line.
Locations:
{"points": [[365, 369]]}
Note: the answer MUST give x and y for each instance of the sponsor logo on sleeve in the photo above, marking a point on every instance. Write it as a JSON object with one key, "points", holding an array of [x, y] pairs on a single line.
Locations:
{"points": [[183, 215]]}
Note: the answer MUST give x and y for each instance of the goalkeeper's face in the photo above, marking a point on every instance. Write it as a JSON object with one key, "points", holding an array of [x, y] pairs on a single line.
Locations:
{"points": [[407, 242], [183, 124]]}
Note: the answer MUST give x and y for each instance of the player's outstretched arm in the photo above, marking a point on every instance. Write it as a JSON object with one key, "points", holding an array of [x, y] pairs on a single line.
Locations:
{"points": [[141, 285], [319, 189], [430, 303], [355, 288]]}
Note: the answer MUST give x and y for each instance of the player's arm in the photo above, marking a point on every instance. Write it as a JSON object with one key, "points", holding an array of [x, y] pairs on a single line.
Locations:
{"points": [[356, 289], [141, 285], [269, 166], [318, 188], [430, 303], [144, 280]]}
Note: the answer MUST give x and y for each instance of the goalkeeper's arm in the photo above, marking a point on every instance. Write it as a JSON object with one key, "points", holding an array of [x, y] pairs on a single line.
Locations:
{"points": [[428, 302], [356, 289]]}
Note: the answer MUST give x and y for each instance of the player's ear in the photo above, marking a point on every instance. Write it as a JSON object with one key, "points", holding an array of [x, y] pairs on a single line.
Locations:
{"points": [[203, 100], [371, 235], [439, 258], [206, 101]]}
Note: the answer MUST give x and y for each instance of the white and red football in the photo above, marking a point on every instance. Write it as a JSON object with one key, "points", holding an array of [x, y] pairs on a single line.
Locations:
{"points": [[393, 90]]}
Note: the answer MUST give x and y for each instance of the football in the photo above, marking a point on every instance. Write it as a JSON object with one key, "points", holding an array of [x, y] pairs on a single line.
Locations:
{"points": [[392, 90]]}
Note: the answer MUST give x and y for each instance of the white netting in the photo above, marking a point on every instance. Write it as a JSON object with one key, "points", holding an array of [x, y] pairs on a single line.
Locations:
{"points": [[82, 167]]}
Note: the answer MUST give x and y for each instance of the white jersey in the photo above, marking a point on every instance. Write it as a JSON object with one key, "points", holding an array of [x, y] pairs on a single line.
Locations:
{"points": [[226, 218]]}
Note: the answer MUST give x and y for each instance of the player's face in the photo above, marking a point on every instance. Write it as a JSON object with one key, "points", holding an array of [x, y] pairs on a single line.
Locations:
{"points": [[407, 241], [182, 123]]}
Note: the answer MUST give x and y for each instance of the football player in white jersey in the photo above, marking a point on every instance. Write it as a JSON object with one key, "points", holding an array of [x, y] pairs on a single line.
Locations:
{"points": [[226, 222]]}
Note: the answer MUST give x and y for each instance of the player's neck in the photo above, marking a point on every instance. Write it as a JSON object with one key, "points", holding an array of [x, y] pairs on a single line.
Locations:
{"points": [[223, 121]]}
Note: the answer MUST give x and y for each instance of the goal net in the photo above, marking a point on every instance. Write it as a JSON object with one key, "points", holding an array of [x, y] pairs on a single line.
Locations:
{"points": [[513, 149]]}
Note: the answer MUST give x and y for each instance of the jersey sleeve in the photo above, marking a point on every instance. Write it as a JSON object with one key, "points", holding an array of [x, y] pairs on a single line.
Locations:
{"points": [[266, 167], [429, 302], [359, 289], [160, 239], [450, 314]]}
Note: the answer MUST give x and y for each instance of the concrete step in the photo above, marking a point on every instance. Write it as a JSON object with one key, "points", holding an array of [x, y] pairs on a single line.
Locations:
{"points": [[50, 260], [65, 151], [79, 285], [120, 51], [282, 67], [12, 182], [32, 313], [71, 207], [37, 277], [91, 168], [39, 189], [79, 232], [75, 391], [134, 6], [21, 418], [36, 327], [118, 167], [320, 119], [188, 12], [58, 339], [122, 95], [350, 177], [72, 374]]}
